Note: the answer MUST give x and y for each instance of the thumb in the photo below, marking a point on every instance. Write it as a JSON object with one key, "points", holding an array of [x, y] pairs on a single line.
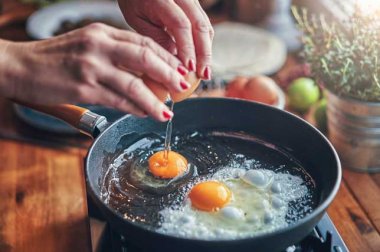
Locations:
{"points": [[157, 33]]}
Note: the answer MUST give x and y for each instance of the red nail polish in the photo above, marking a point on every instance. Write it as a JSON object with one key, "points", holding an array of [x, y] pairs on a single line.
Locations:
{"points": [[182, 70], [191, 65], [167, 115], [184, 85], [207, 73]]}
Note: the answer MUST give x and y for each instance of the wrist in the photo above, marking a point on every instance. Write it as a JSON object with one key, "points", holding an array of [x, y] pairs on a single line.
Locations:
{"points": [[10, 68]]}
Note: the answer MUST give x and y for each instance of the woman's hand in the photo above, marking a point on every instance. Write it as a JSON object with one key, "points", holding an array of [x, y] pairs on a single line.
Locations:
{"points": [[180, 26], [97, 64]]}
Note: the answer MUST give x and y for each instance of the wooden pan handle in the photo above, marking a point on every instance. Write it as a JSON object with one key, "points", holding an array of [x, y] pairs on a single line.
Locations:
{"points": [[83, 119], [69, 113]]}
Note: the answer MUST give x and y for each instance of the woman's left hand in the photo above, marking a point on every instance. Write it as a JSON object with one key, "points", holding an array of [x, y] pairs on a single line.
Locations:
{"points": [[180, 26]]}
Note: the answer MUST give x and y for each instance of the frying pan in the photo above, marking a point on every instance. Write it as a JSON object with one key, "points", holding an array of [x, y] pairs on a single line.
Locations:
{"points": [[278, 127]]}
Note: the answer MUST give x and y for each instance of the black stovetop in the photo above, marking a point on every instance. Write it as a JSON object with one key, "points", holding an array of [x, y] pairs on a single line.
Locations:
{"points": [[324, 238]]}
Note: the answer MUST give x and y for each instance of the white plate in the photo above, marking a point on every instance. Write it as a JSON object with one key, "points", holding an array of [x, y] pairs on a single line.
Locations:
{"points": [[44, 22], [240, 49]]}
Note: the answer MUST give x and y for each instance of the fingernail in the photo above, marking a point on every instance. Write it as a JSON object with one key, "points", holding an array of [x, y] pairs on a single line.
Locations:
{"points": [[191, 65], [182, 70], [184, 85], [168, 114], [207, 73]]}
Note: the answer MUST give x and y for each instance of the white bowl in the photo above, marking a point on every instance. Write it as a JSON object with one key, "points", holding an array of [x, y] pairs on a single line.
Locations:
{"points": [[43, 23]]}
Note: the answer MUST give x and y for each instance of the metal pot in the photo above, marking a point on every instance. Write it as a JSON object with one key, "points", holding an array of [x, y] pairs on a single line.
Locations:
{"points": [[354, 130]]}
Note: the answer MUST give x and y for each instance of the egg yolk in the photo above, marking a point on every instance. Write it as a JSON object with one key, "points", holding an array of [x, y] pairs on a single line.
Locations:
{"points": [[210, 196], [170, 167]]}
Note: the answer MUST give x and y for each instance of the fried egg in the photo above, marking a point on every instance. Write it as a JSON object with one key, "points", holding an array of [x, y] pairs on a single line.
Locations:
{"points": [[209, 196], [233, 203], [156, 173], [170, 166]]}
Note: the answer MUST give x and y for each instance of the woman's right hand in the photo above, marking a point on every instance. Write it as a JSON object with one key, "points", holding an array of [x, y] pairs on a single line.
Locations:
{"points": [[97, 64]]}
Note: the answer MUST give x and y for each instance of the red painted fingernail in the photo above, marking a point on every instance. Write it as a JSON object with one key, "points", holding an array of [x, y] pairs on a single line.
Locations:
{"points": [[207, 73], [191, 65], [184, 85], [182, 70], [167, 115]]}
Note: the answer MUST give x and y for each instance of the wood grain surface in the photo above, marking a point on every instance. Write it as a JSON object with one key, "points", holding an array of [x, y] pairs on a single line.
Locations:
{"points": [[42, 199], [350, 219]]}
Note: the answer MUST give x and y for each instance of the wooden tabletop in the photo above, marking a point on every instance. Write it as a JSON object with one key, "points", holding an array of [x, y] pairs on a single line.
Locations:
{"points": [[43, 198]]}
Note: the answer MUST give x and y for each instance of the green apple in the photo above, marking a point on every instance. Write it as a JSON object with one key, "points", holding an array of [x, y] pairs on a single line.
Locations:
{"points": [[320, 115], [302, 94]]}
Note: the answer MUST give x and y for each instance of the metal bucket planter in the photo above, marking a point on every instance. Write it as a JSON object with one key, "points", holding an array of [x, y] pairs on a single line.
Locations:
{"points": [[354, 130]]}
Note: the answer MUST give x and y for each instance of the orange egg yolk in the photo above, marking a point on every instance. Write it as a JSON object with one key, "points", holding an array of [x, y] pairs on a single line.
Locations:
{"points": [[210, 196], [170, 167]]}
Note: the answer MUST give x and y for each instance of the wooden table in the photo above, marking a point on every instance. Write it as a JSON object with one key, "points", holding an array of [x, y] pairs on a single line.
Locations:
{"points": [[43, 198]]}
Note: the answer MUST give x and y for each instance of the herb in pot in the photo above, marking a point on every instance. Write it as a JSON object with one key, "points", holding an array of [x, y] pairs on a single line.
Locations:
{"points": [[345, 57]]}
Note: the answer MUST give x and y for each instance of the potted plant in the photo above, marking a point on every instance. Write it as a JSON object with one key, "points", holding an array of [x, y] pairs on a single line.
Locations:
{"points": [[345, 59]]}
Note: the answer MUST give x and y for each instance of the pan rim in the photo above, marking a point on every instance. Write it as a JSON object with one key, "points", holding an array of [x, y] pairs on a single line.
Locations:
{"points": [[321, 208]]}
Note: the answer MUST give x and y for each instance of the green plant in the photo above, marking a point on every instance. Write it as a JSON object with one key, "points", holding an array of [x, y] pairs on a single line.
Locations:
{"points": [[344, 57]]}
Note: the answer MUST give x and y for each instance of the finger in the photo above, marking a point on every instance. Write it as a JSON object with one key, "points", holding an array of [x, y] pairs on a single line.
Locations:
{"points": [[111, 99], [179, 26], [201, 35], [157, 34], [107, 97], [130, 86], [211, 33], [144, 60], [160, 36]]}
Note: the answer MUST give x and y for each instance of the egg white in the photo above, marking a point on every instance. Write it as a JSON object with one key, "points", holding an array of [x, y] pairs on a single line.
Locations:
{"points": [[259, 204]]}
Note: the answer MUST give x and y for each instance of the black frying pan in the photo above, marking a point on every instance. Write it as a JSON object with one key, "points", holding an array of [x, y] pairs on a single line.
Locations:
{"points": [[281, 128]]}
